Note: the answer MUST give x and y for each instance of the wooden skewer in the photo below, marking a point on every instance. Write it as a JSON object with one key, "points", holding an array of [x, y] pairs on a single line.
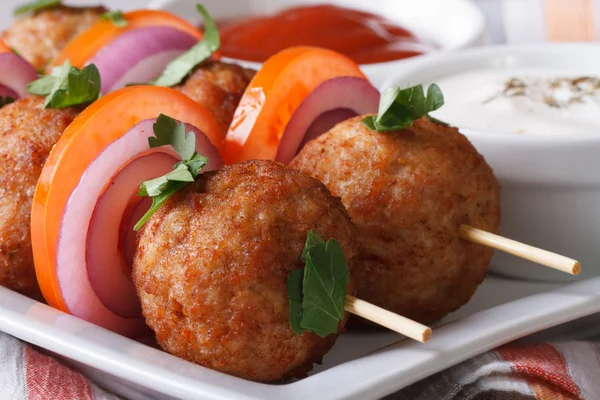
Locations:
{"points": [[395, 322], [518, 249]]}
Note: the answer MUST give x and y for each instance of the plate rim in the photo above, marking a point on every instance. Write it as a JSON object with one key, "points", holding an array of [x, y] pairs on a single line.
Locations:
{"points": [[63, 334]]}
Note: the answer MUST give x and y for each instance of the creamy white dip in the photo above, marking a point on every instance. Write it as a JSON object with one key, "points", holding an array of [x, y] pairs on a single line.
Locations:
{"points": [[522, 101]]}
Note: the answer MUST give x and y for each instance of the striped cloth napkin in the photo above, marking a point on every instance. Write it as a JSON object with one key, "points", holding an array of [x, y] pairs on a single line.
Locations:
{"points": [[28, 374], [548, 371]]}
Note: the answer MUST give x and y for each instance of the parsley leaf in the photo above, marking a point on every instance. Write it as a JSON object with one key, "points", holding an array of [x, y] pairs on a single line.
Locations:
{"points": [[6, 100], [35, 6], [156, 186], [316, 293], [399, 108], [180, 67], [67, 86], [168, 132], [116, 17]]}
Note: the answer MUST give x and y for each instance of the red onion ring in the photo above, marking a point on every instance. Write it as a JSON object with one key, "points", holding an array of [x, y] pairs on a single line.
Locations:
{"points": [[6, 92], [333, 101], [102, 292], [139, 55], [103, 246], [15, 74]]}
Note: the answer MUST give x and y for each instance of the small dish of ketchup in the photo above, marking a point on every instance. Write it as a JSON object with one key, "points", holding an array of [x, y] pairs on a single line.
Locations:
{"points": [[381, 35], [365, 37]]}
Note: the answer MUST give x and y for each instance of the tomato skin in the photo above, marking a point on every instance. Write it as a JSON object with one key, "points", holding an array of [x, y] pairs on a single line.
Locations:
{"points": [[273, 96], [4, 48]]}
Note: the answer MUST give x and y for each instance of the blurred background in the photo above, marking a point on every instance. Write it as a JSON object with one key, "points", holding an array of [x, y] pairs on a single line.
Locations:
{"points": [[508, 21], [523, 21]]}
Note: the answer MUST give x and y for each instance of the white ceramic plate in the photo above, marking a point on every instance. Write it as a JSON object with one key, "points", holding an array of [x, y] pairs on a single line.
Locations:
{"points": [[451, 24], [362, 365]]}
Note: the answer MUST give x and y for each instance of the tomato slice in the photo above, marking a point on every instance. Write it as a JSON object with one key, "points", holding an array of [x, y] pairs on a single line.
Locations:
{"points": [[4, 48], [273, 96], [90, 133], [85, 45]]}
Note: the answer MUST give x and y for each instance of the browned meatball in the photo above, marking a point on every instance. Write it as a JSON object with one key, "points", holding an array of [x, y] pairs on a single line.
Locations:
{"points": [[218, 86], [211, 268], [27, 134], [408, 192], [41, 36]]}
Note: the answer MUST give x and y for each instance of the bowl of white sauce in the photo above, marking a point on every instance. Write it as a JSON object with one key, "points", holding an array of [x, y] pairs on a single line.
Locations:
{"points": [[533, 111]]}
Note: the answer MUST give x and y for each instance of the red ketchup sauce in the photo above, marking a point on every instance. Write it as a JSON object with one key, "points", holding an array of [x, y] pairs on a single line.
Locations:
{"points": [[364, 37]]}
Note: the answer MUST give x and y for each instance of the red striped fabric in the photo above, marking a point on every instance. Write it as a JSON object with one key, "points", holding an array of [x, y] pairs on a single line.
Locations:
{"points": [[27, 374], [544, 369], [562, 371], [48, 379]]}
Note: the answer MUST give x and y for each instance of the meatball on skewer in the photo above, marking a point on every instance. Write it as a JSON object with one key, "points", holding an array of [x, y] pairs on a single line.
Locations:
{"points": [[424, 203], [213, 268], [416, 188], [39, 37]]}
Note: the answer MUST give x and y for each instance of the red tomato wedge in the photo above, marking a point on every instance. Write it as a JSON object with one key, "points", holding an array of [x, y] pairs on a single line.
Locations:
{"points": [[84, 46], [82, 186], [279, 89]]}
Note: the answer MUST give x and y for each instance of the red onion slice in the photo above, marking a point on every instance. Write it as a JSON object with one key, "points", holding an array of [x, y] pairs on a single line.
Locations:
{"points": [[116, 290], [102, 292], [139, 55], [331, 102], [6, 92], [16, 73]]}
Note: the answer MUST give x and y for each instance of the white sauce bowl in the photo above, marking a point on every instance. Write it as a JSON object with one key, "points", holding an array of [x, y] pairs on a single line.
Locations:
{"points": [[450, 24], [550, 185]]}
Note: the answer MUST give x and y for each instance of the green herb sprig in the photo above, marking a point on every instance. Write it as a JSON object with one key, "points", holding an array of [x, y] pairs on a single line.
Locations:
{"points": [[399, 108], [180, 67], [35, 6], [169, 133], [68, 86], [317, 292], [116, 17]]}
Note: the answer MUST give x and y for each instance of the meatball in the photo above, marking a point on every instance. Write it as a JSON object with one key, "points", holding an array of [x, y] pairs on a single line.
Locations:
{"points": [[218, 86], [41, 36], [408, 192], [211, 268], [27, 134]]}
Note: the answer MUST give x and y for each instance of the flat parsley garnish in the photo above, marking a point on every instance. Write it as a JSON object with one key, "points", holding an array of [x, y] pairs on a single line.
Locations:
{"points": [[67, 86], [170, 133], [116, 17], [180, 67], [317, 292], [35, 6], [399, 108]]}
